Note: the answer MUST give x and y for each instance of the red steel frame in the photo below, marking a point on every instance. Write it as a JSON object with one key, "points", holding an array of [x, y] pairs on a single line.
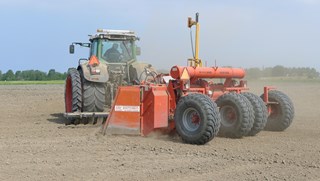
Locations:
{"points": [[157, 102]]}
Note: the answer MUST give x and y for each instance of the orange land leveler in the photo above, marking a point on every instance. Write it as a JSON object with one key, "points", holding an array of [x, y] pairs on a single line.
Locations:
{"points": [[192, 101]]}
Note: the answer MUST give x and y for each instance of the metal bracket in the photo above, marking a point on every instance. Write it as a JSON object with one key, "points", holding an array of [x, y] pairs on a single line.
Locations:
{"points": [[86, 115]]}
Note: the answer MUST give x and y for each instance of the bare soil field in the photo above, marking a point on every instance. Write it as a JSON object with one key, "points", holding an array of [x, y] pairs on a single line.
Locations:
{"points": [[36, 145]]}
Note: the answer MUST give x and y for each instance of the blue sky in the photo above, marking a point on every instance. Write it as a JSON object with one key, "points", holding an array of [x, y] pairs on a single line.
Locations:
{"points": [[35, 34]]}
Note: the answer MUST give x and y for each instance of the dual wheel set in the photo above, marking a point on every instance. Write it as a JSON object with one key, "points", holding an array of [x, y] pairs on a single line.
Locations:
{"points": [[198, 119], [83, 96]]}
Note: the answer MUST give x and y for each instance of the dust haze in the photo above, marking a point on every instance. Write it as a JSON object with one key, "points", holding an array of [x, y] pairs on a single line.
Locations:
{"points": [[36, 142]]}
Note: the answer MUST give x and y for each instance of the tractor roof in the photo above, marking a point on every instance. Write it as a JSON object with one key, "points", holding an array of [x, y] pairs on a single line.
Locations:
{"points": [[114, 35]]}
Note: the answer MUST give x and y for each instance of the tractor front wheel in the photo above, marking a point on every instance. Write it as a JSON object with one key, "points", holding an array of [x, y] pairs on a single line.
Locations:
{"points": [[197, 119], [237, 115], [281, 111]]}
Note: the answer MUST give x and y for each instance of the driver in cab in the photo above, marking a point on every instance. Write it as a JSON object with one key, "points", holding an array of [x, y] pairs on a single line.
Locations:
{"points": [[112, 54]]}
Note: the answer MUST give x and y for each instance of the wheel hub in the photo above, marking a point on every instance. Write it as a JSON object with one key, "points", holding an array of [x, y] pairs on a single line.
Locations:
{"points": [[191, 119], [228, 116]]}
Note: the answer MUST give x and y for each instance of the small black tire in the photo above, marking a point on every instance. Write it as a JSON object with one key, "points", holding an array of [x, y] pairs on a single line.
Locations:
{"points": [[282, 111], [260, 113], [237, 116], [73, 93], [197, 119]]}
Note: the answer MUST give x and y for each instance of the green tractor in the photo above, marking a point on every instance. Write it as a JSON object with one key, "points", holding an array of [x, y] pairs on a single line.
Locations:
{"points": [[91, 87]]}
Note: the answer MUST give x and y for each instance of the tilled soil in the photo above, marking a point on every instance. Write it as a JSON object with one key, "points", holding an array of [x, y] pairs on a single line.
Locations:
{"points": [[36, 145]]}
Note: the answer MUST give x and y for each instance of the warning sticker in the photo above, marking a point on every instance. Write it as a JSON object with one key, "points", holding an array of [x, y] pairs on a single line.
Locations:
{"points": [[127, 108]]}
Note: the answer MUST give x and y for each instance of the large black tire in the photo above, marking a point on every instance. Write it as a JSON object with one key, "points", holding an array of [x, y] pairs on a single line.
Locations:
{"points": [[282, 111], [237, 116], [93, 96], [260, 113], [73, 94], [197, 119]]}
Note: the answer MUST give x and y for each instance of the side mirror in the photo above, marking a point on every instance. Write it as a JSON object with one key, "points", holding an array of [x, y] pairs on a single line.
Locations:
{"points": [[71, 49], [138, 51]]}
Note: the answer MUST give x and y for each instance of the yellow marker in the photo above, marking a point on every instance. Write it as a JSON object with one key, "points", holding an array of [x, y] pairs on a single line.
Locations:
{"points": [[185, 75], [196, 60]]}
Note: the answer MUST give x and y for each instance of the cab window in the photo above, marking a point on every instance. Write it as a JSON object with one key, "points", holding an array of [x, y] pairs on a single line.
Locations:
{"points": [[94, 48], [117, 51]]}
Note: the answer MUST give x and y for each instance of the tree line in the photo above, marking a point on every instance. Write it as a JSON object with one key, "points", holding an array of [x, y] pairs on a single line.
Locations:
{"points": [[251, 73], [32, 75], [281, 71]]}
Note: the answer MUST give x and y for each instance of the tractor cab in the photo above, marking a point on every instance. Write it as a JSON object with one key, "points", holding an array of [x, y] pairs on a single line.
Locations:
{"points": [[114, 46]]}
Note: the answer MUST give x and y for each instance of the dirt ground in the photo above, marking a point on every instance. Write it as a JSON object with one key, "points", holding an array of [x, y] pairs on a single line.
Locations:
{"points": [[36, 145]]}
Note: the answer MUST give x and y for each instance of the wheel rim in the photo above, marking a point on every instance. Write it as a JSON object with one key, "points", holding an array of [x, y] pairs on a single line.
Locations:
{"points": [[191, 119], [274, 111], [68, 95], [228, 116]]}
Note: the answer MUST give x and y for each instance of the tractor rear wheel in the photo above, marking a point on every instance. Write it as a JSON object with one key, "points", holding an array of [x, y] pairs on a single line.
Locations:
{"points": [[260, 113], [281, 111], [197, 119], [73, 94], [237, 115], [93, 96]]}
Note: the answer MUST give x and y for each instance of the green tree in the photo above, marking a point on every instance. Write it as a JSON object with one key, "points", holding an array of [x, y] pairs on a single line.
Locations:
{"points": [[39, 75], [253, 73], [27, 75], [51, 74], [18, 75], [267, 72], [278, 71], [0, 75], [312, 73], [64, 76], [9, 75]]}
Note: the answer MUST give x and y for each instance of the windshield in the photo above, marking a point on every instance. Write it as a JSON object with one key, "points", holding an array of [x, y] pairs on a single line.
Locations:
{"points": [[117, 51]]}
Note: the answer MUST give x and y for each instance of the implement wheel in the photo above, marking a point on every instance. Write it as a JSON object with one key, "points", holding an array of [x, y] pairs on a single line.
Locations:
{"points": [[237, 115], [260, 113], [73, 94], [197, 119], [281, 111]]}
